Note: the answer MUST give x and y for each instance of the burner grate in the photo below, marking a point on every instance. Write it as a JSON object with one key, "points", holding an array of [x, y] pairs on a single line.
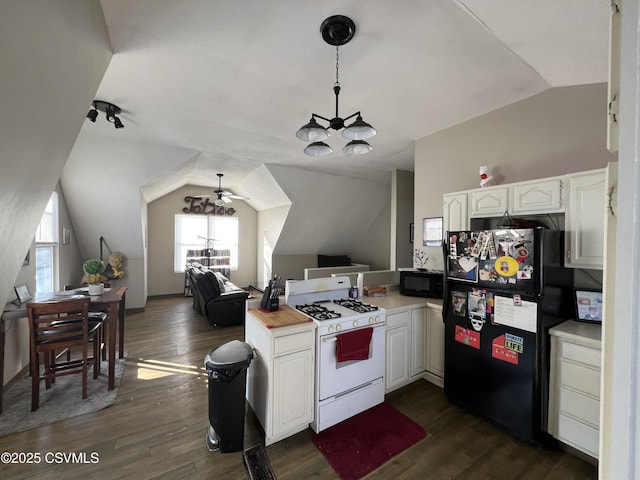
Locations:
{"points": [[317, 311], [356, 305]]}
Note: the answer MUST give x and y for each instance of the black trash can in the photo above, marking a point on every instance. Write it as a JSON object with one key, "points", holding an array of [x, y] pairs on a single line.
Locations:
{"points": [[227, 369]]}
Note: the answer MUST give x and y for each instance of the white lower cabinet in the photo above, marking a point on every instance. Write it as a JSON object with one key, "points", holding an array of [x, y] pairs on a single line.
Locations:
{"points": [[435, 346], [415, 346], [418, 341], [574, 385], [398, 337], [280, 384]]}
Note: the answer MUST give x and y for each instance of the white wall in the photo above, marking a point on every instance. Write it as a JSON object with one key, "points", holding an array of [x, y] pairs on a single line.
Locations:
{"points": [[56, 52], [161, 229], [559, 131], [270, 223], [102, 182]]}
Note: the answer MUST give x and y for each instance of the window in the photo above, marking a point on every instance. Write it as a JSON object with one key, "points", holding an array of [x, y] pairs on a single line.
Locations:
{"points": [[192, 232], [47, 248]]}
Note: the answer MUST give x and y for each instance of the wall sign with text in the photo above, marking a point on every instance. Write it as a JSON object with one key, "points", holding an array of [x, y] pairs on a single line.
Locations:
{"points": [[202, 206]]}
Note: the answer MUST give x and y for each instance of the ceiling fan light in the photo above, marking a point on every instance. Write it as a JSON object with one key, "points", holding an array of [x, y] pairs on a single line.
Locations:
{"points": [[359, 130], [318, 149], [312, 132], [92, 115], [219, 202], [357, 147]]}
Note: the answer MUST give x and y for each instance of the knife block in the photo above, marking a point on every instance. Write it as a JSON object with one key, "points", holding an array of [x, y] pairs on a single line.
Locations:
{"points": [[267, 303]]}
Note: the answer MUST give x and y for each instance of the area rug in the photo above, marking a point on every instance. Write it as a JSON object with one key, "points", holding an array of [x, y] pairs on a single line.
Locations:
{"points": [[362, 443], [63, 400]]}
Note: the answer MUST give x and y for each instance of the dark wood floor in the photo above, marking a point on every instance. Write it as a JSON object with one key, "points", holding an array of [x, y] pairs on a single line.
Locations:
{"points": [[157, 427]]}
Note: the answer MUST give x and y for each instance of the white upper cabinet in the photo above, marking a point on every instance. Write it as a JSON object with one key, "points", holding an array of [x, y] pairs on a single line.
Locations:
{"points": [[489, 202], [455, 216], [537, 196], [584, 220]]}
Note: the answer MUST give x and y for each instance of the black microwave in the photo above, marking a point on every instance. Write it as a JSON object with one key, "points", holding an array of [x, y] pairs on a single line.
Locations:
{"points": [[422, 283]]}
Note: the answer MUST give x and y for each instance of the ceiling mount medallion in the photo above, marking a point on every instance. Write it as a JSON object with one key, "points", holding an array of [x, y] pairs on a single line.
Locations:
{"points": [[337, 30], [110, 110]]}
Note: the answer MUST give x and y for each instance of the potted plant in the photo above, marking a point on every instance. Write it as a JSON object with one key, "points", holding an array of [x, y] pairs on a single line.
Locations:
{"points": [[93, 269]]}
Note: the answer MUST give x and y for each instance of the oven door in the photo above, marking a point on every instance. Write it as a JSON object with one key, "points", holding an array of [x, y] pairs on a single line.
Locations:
{"points": [[340, 377]]}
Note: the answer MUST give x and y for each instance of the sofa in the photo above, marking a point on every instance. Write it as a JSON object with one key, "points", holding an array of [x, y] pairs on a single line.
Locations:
{"points": [[214, 297]]}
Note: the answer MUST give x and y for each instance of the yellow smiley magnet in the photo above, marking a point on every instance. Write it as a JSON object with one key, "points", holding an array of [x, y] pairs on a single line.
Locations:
{"points": [[506, 266]]}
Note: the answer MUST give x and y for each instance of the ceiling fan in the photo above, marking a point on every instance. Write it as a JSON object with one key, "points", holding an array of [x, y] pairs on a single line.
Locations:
{"points": [[222, 196]]}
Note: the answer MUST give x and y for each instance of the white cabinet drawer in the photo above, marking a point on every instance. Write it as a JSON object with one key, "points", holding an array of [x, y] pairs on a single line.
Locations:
{"points": [[580, 378], [579, 406], [580, 353], [293, 343], [398, 319], [578, 435]]}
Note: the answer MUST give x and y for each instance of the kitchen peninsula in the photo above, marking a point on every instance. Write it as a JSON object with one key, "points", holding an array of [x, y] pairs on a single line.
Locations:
{"points": [[280, 380]]}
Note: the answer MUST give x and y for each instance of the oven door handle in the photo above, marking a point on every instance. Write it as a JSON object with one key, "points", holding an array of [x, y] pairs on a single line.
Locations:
{"points": [[332, 339]]}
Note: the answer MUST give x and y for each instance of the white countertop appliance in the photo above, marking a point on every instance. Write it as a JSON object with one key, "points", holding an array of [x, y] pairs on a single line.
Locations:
{"points": [[348, 387]]}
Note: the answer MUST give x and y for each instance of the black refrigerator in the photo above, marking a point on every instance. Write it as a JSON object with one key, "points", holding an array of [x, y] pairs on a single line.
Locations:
{"points": [[505, 288]]}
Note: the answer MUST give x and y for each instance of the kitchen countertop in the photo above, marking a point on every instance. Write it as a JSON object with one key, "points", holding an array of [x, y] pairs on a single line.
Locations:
{"points": [[585, 332], [395, 301], [283, 317]]}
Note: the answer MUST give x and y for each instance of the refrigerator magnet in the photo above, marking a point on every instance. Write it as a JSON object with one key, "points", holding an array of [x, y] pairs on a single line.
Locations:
{"points": [[500, 352], [517, 300], [467, 337], [477, 305], [476, 323], [459, 303], [506, 266]]}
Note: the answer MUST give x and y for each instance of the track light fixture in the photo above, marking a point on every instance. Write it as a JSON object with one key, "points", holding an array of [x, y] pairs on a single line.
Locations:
{"points": [[337, 30], [110, 111]]}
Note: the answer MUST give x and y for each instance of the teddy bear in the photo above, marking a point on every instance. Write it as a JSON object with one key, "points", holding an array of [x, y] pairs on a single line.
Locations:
{"points": [[113, 271]]}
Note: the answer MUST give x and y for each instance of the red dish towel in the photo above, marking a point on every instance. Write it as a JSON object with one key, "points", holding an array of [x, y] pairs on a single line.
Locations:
{"points": [[353, 345]]}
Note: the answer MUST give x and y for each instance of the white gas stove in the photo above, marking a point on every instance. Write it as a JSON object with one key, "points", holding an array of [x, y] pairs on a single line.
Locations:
{"points": [[343, 388]]}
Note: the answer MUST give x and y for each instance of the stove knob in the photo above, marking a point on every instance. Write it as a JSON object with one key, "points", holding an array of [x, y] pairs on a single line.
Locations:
{"points": [[371, 320], [377, 319], [355, 323], [338, 327], [331, 328]]}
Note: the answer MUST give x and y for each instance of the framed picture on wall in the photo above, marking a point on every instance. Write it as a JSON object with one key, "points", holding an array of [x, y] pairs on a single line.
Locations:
{"points": [[432, 232]]}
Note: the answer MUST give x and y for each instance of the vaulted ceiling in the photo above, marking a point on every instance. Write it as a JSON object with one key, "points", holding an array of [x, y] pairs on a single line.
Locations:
{"points": [[228, 83]]}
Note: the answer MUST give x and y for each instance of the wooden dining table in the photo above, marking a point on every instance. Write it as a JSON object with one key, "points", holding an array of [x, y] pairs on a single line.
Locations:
{"points": [[107, 302]]}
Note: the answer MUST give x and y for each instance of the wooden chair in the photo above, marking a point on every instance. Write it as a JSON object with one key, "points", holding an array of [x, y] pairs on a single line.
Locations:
{"points": [[56, 326]]}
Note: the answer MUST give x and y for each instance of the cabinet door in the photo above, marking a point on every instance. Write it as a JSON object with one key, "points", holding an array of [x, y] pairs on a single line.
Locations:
{"points": [[397, 361], [455, 216], [489, 202], [418, 338], [584, 220], [540, 196], [435, 342], [293, 391]]}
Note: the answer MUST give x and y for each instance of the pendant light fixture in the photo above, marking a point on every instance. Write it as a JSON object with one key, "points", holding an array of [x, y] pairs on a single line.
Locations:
{"points": [[337, 31]]}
